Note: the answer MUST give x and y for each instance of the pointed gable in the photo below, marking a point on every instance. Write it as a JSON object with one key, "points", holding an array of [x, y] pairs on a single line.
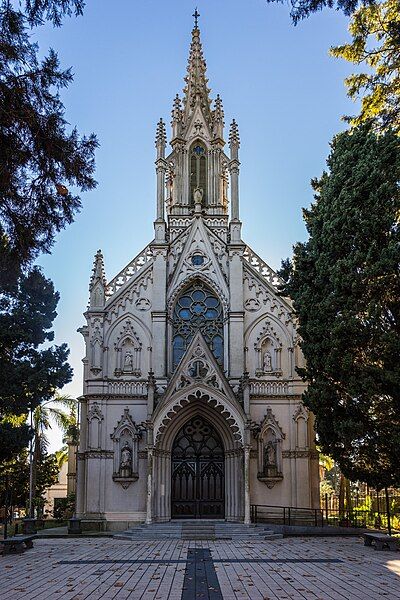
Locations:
{"points": [[199, 366], [198, 259]]}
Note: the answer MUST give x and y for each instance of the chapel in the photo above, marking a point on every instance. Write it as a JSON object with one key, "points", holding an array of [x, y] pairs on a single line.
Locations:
{"points": [[191, 405]]}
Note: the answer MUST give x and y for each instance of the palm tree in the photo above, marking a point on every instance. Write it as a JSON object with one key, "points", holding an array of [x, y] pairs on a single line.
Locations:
{"points": [[61, 456], [61, 411]]}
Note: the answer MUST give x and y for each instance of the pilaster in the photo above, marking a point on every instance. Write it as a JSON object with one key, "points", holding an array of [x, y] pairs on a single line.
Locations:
{"points": [[236, 314], [159, 315]]}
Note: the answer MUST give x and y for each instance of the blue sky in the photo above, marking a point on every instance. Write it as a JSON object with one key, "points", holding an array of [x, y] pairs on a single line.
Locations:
{"points": [[129, 59]]}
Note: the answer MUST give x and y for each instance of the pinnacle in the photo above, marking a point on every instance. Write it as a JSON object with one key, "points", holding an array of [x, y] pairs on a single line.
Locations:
{"points": [[98, 272], [196, 80], [219, 110], [234, 139], [161, 134]]}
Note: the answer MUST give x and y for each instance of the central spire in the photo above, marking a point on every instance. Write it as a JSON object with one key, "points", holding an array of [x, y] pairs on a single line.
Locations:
{"points": [[197, 169], [196, 91]]}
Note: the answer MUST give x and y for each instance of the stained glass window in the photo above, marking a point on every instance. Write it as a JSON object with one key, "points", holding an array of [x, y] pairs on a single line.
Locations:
{"points": [[197, 309], [198, 170]]}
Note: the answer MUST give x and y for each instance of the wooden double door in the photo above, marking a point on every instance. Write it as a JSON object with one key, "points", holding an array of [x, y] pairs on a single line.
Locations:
{"points": [[197, 487]]}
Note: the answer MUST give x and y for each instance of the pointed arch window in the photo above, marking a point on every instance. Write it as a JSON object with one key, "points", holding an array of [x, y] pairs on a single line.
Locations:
{"points": [[198, 170], [197, 309]]}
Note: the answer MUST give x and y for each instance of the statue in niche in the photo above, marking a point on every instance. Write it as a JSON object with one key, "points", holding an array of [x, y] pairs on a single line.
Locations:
{"points": [[125, 468], [270, 459], [267, 362], [128, 362], [270, 455], [198, 195]]}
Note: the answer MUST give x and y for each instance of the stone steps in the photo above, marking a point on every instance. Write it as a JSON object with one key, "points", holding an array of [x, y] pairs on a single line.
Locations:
{"points": [[198, 530]]}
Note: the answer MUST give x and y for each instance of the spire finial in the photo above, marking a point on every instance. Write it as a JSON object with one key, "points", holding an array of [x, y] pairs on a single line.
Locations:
{"points": [[196, 15]]}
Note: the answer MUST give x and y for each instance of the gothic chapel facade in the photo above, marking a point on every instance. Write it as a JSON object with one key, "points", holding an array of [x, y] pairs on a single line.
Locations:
{"points": [[191, 405]]}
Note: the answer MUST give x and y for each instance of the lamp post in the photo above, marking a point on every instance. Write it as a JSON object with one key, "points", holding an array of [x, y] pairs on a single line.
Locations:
{"points": [[29, 523], [74, 523]]}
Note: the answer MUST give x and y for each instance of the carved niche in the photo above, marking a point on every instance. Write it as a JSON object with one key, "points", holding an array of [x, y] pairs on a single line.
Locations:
{"points": [[300, 417], [125, 439], [96, 349], [268, 348], [128, 350], [269, 437], [95, 418]]}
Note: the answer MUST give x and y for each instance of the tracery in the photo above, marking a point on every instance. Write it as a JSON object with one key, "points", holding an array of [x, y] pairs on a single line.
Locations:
{"points": [[197, 308]]}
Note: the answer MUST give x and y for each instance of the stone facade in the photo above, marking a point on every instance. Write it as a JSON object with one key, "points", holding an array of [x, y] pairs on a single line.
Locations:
{"points": [[192, 326]]}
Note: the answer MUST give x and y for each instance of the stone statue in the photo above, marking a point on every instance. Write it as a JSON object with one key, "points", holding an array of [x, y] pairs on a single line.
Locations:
{"points": [[126, 461], [198, 195], [128, 362], [270, 455], [267, 362]]}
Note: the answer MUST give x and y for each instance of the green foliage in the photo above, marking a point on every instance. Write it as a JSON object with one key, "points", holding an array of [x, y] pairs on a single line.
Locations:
{"points": [[345, 284], [41, 160], [39, 157], [15, 478], [64, 507], [29, 375], [300, 9], [375, 31]]}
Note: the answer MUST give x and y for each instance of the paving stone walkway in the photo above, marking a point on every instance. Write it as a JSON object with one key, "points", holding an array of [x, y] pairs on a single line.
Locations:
{"points": [[290, 568]]}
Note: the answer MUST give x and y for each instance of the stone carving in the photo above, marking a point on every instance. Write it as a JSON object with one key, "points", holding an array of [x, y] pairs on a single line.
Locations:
{"points": [[126, 438], [95, 418], [252, 305], [128, 362], [270, 455], [267, 362], [130, 388], [143, 304], [199, 368], [262, 268], [269, 440], [125, 468], [96, 347], [198, 196], [94, 412], [277, 307], [300, 417], [129, 271], [128, 351], [268, 349], [122, 301], [269, 388]]}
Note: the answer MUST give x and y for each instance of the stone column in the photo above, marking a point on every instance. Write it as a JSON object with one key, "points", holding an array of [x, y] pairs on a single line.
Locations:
{"points": [[159, 316], [149, 499], [247, 520], [234, 143], [161, 169], [236, 314]]}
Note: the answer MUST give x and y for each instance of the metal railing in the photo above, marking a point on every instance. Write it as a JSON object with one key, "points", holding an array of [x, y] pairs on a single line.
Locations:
{"points": [[322, 517], [287, 515]]}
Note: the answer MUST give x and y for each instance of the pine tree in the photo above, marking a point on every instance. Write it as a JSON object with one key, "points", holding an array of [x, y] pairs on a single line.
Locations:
{"points": [[29, 373], [375, 46], [41, 161], [375, 32], [345, 284], [301, 9]]}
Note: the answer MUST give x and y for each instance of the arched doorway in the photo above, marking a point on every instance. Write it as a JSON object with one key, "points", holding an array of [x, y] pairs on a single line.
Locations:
{"points": [[197, 474]]}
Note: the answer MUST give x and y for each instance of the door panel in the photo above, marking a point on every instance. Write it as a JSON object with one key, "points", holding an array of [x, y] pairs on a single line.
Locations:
{"points": [[197, 487]]}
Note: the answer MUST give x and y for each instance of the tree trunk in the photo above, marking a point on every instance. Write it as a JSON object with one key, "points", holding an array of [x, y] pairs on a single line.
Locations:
{"points": [[341, 496]]}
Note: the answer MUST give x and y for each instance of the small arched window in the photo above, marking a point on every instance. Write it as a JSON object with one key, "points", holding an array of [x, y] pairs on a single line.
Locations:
{"points": [[197, 309], [198, 170]]}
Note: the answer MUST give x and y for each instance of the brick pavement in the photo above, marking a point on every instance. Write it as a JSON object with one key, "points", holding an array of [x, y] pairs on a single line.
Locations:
{"points": [[291, 568]]}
